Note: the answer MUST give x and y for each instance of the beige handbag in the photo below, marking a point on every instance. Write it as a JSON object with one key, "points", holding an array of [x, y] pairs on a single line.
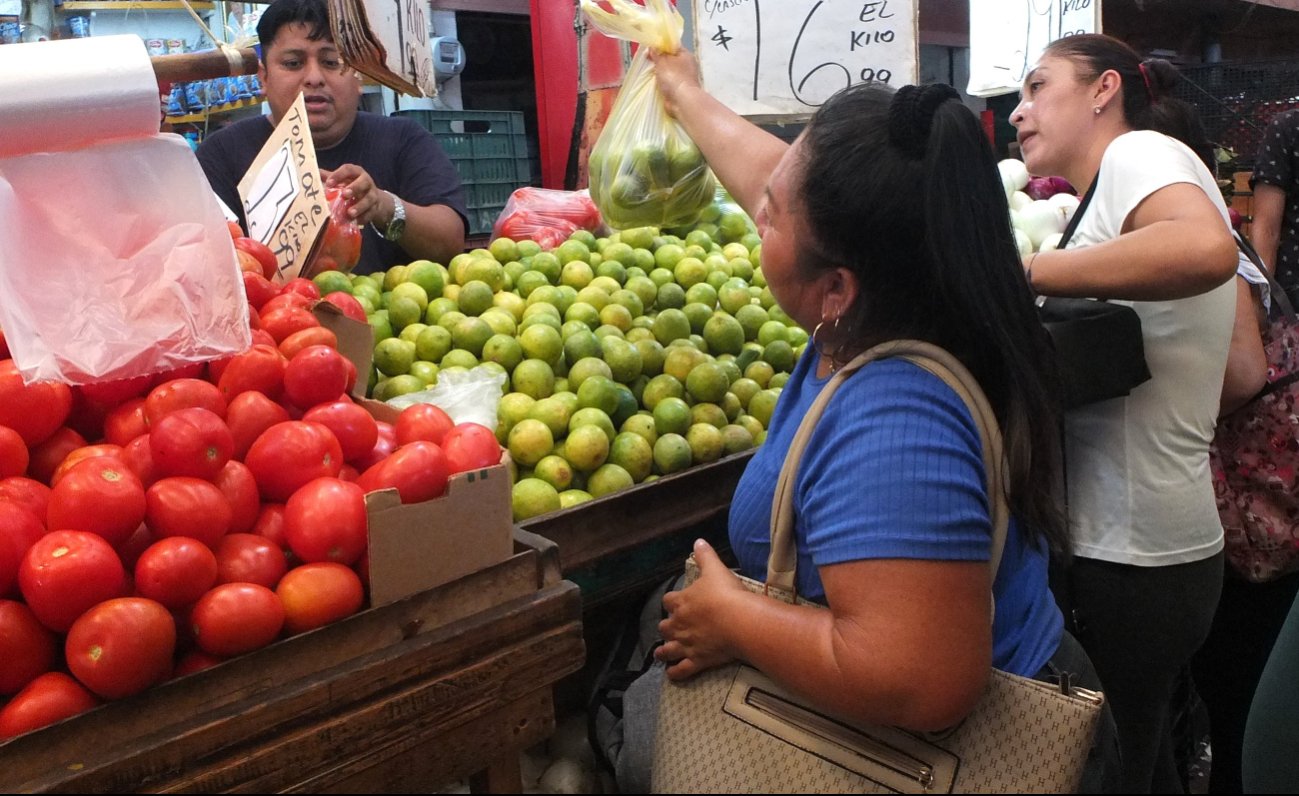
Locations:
{"points": [[732, 730]]}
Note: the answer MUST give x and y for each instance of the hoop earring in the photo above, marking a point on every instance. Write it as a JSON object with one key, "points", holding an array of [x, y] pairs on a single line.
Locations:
{"points": [[830, 355]]}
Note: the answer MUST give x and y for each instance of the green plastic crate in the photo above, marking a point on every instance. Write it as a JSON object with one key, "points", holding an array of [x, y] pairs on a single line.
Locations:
{"points": [[490, 152]]}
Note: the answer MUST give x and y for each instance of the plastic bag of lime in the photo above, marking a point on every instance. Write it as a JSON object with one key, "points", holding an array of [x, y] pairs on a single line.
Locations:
{"points": [[644, 170]]}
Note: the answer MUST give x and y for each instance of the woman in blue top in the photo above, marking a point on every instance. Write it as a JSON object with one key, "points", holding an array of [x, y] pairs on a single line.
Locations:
{"points": [[884, 220]]}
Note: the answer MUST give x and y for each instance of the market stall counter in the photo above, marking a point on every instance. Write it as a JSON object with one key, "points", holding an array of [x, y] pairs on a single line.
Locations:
{"points": [[448, 683]]}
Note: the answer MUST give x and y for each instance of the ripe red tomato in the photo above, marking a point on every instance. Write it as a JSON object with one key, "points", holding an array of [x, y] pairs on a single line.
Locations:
{"points": [[249, 558], [175, 571], [248, 264], [270, 525], [26, 492], [121, 647], [236, 231], [14, 454], [471, 446], [383, 447], [19, 530], [250, 414], [125, 422], [193, 442], [184, 506], [52, 697], [236, 482], [316, 374], [348, 304], [131, 550], [258, 289], [325, 520], [26, 646], [287, 298], [281, 322], [112, 393], [234, 618], [260, 368], [265, 257], [97, 451], [314, 595], [182, 394], [47, 456], [417, 470], [303, 286], [138, 456], [354, 427], [288, 455], [36, 410], [194, 661], [316, 335], [99, 495], [65, 573], [423, 421], [263, 337]]}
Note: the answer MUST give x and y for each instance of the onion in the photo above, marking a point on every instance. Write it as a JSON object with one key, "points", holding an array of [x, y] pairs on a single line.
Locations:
{"points": [[1039, 219], [1019, 199], [1062, 185], [1025, 245], [1051, 241], [1013, 171], [1039, 188], [1065, 203]]}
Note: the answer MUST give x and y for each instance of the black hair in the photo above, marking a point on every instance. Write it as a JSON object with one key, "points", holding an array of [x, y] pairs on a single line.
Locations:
{"points": [[1147, 85], [312, 13], [920, 217]]}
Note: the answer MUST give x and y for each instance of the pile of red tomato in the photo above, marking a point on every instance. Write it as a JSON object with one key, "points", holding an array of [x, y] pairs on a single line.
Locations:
{"points": [[153, 527]]}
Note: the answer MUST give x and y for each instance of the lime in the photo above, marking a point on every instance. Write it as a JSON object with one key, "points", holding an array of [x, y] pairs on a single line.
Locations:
{"points": [[475, 297], [403, 385], [763, 405], [433, 343], [670, 296], [471, 334], [576, 273], [501, 321], [617, 316], [459, 358], [572, 497], [671, 454], [771, 331], [590, 416], [556, 471], [600, 392], [583, 312], [573, 250], [332, 282], [702, 293], [608, 478], [504, 250], [411, 332], [642, 425], [638, 237], [735, 438], [585, 368], [502, 349], [724, 334], [671, 324], [744, 389], [513, 407], [706, 443], [579, 345], [450, 318], [661, 277], [439, 307], [587, 447], [778, 380], [531, 497], [548, 264], [393, 356], [554, 412], [633, 453], [660, 387], [671, 416], [543, 342], [644, 288], [780, 355], [534, 377], [394, 276], [710, 413], [403, 311], [594, 296], [529, 281], [652, 355], [529, 441], [681, 360], [426, 372], [668, 255], [628, 403], [623, 359]]}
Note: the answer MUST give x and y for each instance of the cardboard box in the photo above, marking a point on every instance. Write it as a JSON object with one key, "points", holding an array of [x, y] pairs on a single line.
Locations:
{"points": [[420, 546]]}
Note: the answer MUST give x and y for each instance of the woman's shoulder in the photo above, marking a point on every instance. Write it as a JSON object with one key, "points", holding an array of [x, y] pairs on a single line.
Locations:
{"points": [[1147, 150], [895, 387]]}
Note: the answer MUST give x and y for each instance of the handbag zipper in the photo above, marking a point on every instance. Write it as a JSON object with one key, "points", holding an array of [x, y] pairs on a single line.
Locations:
{"points": [[841, 735]]}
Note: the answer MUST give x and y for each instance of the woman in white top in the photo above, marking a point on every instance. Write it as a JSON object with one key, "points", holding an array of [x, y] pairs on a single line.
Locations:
{"points": [[1144, 583]]}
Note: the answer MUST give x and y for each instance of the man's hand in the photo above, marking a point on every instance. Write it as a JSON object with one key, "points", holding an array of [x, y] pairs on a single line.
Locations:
{"points": [[369, 203]]}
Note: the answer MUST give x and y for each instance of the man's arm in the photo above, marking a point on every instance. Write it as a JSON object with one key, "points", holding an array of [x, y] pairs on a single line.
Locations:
{"points": [[1265, 228]]}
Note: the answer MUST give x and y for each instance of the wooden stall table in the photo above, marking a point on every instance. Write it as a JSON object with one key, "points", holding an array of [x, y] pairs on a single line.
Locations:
{"points": [[449, 683]]}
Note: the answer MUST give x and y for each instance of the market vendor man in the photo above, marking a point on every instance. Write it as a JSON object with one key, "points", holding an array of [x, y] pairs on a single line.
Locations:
{"points": [[404, 190]]}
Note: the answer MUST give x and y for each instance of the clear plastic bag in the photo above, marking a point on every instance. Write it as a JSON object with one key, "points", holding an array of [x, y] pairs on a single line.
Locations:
{"points": [[341, 248], [644, 170], [468, 397], [546, 216]]}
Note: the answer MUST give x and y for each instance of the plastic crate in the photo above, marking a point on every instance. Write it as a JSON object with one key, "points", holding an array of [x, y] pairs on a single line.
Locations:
{"points": [[490, 153]]}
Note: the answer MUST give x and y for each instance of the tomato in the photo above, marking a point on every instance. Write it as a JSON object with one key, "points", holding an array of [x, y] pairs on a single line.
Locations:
{"points": [[26, 492], [348, 304], [249, 558], [135, 545], [100, 495], [47, 456], [270, 524], [185, 506], [190, 370], [182, 394], [263, 253], [317, 594], [19, 530], [236, 231], [281, 322], [355, 428], [234, 618], [304, 287], [250, 414], [193, 442], [99, 451], [316, 335], [325, 520], [175, 571], [348, 473], [383, 447], [121, 647], [194, 661], [248, 264], [288, 455], [260, 368], [263, 337], [112, 393], [287, 298], [26, 646], [316, 374], [423, 421], [65, 573], [471, 446], [138, 456], [14, 454], [87, 417], [236, 482], [52, 697], [258, 289], [417, 470], [254, 322], [125, 422], [36, 410]]}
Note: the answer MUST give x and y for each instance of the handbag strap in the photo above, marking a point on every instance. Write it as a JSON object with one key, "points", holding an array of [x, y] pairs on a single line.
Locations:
{"points": [[1069, 230], [782, 561], [1279, 296]]}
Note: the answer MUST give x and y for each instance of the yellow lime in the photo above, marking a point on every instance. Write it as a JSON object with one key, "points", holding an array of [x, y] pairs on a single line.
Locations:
{"points": [[475, 297], [590, 416], [572, 497], [542, 342], [412, 331], [702, 293], [709, 413], [608, 478], [750, 424], [439, 307], [668, 255], [433, 343], [585, 368], [504, 350], [394, 276], [459, 358], [586, 448], [393, 356], [501, 321], [671, 324], [638, 237], [426, 372], [548, 264], [644, 288], [735, 438], [534, 377], [671, 416], [617, 316], [583, 312], [778, 380], [579, 345], [504, 249], [661, 277], [577, 274], [403, 311], [706, 443], [652, 355], [681, 360], [671, 454], [600, 392], [763, 405], [404, 384], [554, 412], [556, 471], [761, 372], [513, 407], [532, 497], [642, 425], [529, 281], [780, 354], [529, 441], [623, 359], [660, 387], [471, 334], [332, 282], [594, 296], [633, 453]]}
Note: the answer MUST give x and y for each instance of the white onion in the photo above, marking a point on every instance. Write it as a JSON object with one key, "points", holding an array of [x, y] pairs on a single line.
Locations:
{"points": [[1025, 245], [1014, 172], [1039, 219], [1019, 199], [1066, 203], [1051, 241]]}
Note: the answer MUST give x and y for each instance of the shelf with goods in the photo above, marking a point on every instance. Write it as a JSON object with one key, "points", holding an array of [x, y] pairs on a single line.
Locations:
{"points": [[216, 110]]}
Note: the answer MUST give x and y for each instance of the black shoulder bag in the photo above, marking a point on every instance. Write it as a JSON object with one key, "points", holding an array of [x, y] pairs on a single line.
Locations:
{"points": [[1099, 351]]}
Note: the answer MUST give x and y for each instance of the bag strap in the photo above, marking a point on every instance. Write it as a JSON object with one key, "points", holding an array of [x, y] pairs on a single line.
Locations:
{"points": [[783, 558], [1279, 296], [1072, 227]]}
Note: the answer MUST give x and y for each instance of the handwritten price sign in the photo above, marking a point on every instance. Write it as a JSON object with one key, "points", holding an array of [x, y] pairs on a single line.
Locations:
{"points": [[1007, 36], [781, 59]]}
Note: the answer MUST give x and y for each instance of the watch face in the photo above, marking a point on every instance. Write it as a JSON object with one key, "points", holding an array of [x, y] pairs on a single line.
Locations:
{"points": [[395, 229]]}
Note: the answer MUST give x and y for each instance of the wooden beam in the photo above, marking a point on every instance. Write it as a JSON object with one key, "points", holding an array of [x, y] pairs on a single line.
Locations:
{"points": [[517, 7]]}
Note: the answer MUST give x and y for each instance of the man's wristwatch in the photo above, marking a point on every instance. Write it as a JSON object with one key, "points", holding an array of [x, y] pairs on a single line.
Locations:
{"points": [[397, 226]]}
